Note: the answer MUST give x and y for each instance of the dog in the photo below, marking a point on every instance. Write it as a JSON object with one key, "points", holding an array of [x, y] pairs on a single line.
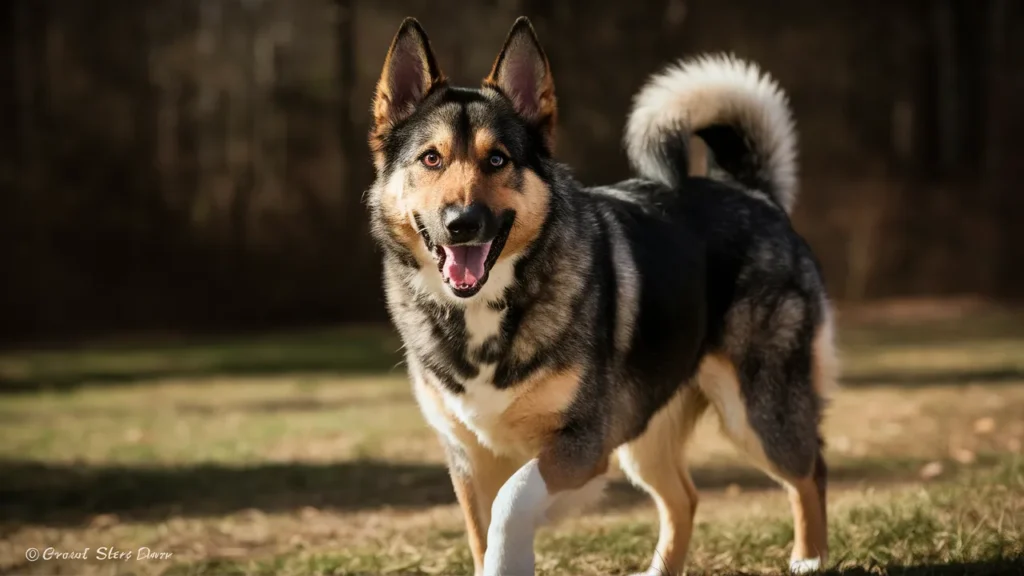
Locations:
{"points": [[548, 325]]}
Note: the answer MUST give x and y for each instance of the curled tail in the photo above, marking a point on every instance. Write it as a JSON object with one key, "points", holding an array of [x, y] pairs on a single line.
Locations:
{"points": [[740, 112]]}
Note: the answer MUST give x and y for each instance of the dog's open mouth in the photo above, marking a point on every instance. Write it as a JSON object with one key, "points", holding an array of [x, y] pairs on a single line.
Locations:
{"points": [[465, 267]]}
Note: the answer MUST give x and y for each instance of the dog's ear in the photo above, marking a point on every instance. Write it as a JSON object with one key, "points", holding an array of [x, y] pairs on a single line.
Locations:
{"points": [[410, 71], [523, 74]]}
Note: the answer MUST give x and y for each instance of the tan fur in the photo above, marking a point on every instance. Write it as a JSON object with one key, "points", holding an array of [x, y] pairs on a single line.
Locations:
{"points": [[485, 142], [717, 379], [397, 213], [527, 424], [656, 462], [476, 487], [476, 527], [461, 182], [411, 189], [489, 472], [809, 530], [385, 111], [536, 412], [441, 137], [531, 206], [546, 114], [698, 157]]}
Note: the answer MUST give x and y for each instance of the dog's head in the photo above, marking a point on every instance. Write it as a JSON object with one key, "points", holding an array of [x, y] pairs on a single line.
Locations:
{"points": [[459, 186]]}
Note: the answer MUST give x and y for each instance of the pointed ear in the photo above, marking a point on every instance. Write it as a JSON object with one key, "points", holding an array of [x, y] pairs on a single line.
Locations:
{"points": [[410, 71], [523, 74]]}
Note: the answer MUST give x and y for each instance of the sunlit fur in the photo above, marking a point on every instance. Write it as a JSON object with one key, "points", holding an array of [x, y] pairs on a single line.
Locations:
{"points": [[413, 189], [717, 91], [611, 317]]}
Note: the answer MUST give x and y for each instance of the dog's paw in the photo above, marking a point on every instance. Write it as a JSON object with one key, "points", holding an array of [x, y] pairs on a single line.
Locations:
{"points": [[804, 566]]}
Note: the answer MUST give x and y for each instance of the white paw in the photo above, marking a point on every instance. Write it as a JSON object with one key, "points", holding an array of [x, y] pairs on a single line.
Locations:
{"points": [[804, 566]]}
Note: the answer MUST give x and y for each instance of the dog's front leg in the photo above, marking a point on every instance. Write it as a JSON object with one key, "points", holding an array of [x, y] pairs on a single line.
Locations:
{"points": [[518, 510], [530, 497]]}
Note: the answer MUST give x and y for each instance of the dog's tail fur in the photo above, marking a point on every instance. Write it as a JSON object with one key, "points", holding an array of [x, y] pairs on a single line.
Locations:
{"points": [[741, 114]]}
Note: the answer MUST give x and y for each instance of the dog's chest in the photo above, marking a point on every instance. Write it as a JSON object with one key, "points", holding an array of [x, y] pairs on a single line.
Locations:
{"points": [[481, 405]]}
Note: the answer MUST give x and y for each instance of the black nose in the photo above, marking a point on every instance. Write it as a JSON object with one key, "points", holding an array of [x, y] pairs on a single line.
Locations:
{"points": [[465, 223]]}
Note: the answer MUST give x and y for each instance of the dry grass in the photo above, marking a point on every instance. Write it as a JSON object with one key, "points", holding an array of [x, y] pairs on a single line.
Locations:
{"points": [[258, 468]]}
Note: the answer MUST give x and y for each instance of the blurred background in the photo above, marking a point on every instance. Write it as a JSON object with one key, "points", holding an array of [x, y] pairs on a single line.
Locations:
{"points": [[194, 352], [189, 166]]}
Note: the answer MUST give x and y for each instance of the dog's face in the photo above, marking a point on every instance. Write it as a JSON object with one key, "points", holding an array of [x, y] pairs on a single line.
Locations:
{"points": [[459, 186]]}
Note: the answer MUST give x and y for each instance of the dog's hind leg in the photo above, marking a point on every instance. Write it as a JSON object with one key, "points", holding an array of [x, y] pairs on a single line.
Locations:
{"points": [[656, 462], [777, 430]]}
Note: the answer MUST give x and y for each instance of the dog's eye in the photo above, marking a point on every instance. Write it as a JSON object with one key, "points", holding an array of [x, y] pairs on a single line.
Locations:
{"points": [[497, 160], [431, 159]]}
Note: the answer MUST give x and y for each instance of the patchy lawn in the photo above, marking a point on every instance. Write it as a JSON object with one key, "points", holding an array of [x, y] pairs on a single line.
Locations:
{"points": [[305, 454]]}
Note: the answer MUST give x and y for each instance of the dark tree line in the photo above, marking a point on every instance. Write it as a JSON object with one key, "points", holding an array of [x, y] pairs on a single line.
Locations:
{"points": [[189, 165]]}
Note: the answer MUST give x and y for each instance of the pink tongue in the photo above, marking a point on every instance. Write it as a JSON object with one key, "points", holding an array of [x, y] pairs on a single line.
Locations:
{"points": [[464, 265]]}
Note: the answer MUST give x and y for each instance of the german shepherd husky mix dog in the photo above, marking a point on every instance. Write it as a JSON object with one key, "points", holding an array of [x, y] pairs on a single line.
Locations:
{"points": [[548, 325]]}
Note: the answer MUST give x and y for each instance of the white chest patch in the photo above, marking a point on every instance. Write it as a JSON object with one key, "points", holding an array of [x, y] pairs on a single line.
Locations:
{"points": [[482, 323], [481, 405]]}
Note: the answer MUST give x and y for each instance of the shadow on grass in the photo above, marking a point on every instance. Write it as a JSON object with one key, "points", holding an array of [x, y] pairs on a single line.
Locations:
{"points": [[68, 494], [291, 407], [933, 378], [64, 495], [362, 350], [1000, 567]]}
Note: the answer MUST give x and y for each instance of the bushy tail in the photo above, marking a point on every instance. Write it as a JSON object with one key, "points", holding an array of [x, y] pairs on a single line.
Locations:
{"points": [[740, 112]]}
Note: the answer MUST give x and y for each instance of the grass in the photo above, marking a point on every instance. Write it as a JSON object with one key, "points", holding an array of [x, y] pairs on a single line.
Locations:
{"points": [[305, 454], [366, 349]]}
